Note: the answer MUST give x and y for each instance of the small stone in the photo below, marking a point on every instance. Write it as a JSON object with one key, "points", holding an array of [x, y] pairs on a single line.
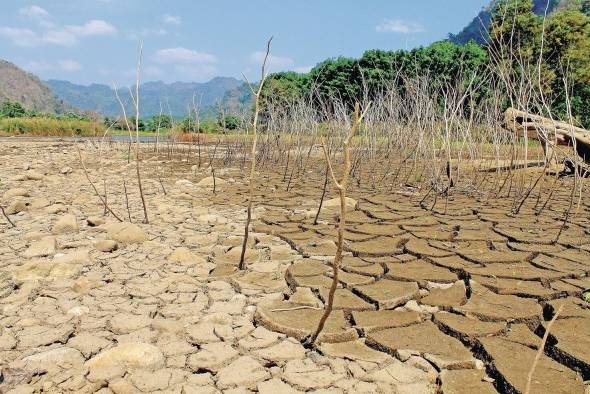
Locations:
{"points": [[16, 207], [132, 354], [126, 233], [65, 225], [44, 247], [106, 245]]}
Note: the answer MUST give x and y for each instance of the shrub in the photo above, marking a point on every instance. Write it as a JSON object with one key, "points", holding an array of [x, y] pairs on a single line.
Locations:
{"points": [[50, 127]]}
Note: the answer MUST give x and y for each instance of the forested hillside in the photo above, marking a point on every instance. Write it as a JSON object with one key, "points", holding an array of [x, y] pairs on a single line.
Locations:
{"points": [[175, 98], [518, 36], [20, 86], [479, 27]]}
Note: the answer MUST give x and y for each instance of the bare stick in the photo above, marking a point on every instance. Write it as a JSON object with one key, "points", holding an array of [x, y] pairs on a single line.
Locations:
{"points": [[527, 390], [93, 185], [317, 215], [127, 200], [242, 264], [137, 159], [341, 186], [6, 216]]}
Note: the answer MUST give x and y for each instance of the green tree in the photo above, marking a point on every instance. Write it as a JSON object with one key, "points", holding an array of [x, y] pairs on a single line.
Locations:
{"points": [[162, 121], [10, 109], [230, 122]]}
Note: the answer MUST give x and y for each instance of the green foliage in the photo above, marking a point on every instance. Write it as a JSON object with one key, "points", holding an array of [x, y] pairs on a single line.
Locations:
{"points": [[209, 126], [561, 42], [11, 109], [188, 125], [230, 122], [350, 80], [159, 121], [43, 126]]}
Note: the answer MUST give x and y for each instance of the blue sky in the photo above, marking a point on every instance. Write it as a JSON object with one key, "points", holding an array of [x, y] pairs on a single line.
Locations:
{"points": [[87, 41]]}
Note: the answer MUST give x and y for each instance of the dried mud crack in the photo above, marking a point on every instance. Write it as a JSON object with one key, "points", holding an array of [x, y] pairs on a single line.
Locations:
{"points": [[428, 301]]}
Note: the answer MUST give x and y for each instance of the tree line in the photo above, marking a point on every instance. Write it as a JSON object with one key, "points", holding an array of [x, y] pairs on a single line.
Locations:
{"points": [[551, 54]]}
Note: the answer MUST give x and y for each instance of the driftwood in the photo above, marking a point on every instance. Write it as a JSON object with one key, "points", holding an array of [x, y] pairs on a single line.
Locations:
{"points": [[549, 132]]}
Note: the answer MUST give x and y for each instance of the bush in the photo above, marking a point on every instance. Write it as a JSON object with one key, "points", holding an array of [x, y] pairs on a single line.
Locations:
{"points": [[10, 109], [50, 127], [230, 122]]}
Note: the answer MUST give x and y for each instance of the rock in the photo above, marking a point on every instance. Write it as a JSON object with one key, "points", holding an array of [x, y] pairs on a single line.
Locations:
{"points": [[39, 203], [66, 170], [106, 245], [334, 204], [55, 357], [208, 182], [131, 355], [34, 175], [41, 269], [126, 233], [44, 247], [65, 225], [16, 192], [16, 207], [243, 372]]}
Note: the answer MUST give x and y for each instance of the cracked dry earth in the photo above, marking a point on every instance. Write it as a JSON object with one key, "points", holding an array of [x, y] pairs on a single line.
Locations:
{"points": [[429, 301]]}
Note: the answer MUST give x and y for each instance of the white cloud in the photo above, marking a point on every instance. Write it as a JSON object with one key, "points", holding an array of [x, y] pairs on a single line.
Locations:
{"points": [[52, 35], [95, 27], [183, 55], [272, 61], [399, 26], [20, 37], [34, 12], [171, 19]]}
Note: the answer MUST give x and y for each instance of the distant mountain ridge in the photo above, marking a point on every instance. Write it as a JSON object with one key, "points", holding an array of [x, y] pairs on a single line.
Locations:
{"points": [[477, 30], [174, 98], [19, 85]]}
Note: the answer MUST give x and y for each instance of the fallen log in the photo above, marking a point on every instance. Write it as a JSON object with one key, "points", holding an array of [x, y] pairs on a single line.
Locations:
{"points": [[549, 132]]}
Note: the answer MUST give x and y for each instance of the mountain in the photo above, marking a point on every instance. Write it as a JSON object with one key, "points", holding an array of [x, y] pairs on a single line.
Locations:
{"points": [[174, 98], [19, 85], [478, 28]]}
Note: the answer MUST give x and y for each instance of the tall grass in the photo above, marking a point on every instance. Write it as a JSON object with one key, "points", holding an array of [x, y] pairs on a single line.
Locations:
{"points": [[50, 127]]}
